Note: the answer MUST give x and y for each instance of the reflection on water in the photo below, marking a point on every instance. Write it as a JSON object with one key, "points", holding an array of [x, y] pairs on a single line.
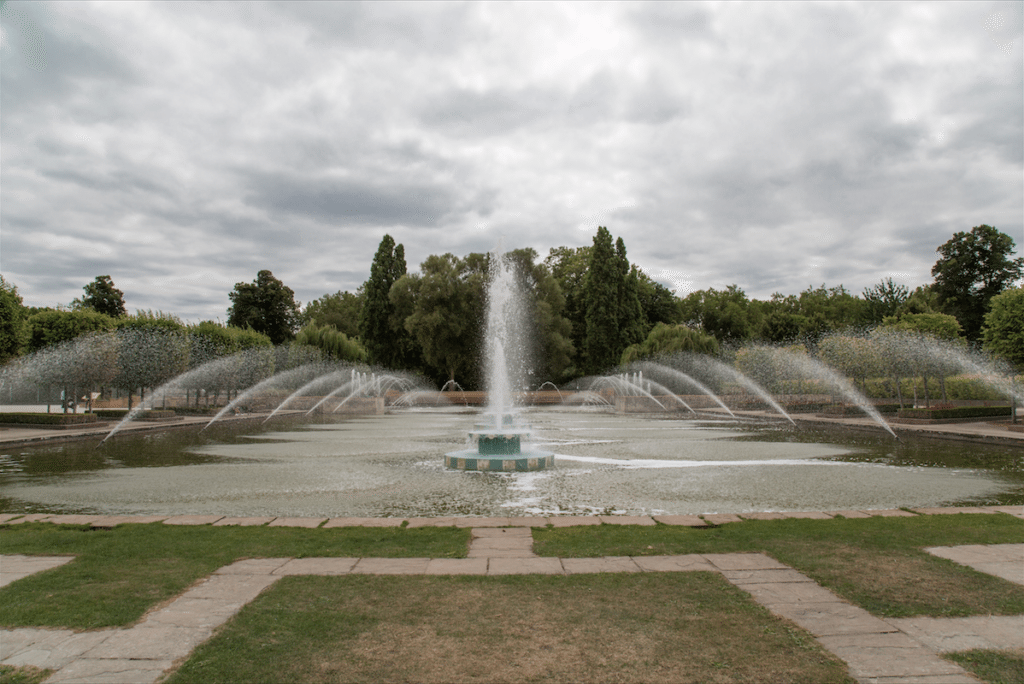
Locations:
{"points": [[391, 465]]}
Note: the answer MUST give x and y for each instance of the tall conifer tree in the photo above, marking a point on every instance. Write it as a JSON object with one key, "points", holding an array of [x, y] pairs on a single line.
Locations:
{"points": [[384, 341], [632, 323], [601, 303]]}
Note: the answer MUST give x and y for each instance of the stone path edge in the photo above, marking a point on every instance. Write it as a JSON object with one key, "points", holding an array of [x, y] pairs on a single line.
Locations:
{"points": [[697, 520]]}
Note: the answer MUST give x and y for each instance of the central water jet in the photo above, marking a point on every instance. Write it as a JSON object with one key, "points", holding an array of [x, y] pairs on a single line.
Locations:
{"points": [[497, 441]]}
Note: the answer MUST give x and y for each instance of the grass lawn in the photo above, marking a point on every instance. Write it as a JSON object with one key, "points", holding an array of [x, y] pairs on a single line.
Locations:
{"points": [[607, 627], [876, 563]]}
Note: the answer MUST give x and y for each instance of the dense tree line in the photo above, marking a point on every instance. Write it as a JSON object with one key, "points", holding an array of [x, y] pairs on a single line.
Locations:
{"points": [[589, 310]]}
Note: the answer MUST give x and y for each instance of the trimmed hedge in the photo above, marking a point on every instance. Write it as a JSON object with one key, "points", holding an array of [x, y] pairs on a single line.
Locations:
{"points": [[948, 413], [48, 418]]}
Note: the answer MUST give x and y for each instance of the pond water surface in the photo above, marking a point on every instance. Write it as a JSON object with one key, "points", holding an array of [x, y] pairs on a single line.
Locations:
{"points": [[391, 466]]}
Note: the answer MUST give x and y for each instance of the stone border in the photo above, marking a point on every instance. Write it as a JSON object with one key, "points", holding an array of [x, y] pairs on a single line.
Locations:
{"points": [[701, 520]]}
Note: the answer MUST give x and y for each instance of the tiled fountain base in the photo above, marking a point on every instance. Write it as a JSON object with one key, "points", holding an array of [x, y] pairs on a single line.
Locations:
{"points": [[875, 650]]}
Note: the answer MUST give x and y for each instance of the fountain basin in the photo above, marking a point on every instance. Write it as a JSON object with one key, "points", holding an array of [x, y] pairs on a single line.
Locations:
{"points": [[469, 459]]}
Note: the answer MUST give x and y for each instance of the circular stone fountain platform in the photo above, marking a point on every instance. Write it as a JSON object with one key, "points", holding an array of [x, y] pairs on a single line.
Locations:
{"points": [[499, 450]]}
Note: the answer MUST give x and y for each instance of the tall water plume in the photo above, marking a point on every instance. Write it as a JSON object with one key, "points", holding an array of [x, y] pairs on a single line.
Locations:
{"points": [[505, 345]]}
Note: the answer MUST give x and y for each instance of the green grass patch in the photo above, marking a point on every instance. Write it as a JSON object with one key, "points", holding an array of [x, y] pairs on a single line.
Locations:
{"points": [[118, 574], [994, 667], [876, 563], [22, 675], [593, 628]]}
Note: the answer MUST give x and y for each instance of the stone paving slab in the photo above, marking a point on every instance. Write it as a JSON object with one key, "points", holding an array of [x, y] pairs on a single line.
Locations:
{"points": [[721, 518], [1011, 510], [243, 522], [888, 655], [687, 563], [743, 561], [809, 515], [482, 522], [364, 522], [4, 517], [73, 519], [739, 577], [506, 543], [889, 513], [111, 671], [14, 567], [230, 588], [945, 635], [525, 566], [528, 522], [310, 523], [317, 566], [502, 533], [194, 613], [391, 566], [47, 648], [1002, 560], [501, 553], [580, 566], [166, 642], [252, 566], [111, 521], [573, 520], [683, 520], [789, 592], [949, 510], [767, 515], [432, 522], [457, 566], [626, 520], [31, 517], [830, 618], [192, 519], [849, 515]]}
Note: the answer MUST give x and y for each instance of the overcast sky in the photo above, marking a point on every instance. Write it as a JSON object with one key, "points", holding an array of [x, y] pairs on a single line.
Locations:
{"points": [[181, 148]]}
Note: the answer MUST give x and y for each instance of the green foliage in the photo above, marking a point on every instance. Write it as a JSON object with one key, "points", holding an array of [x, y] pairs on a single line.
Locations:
{"points": [[48, 418], [266, 305], [632, 323], [102, 296], [666, 339], [601, 300], [334, 344], [550, 331], [726, 314], [442, 308], [657, 301], [342, 310], [568, 265], [12, 321], [884, 299], [972, 269], [935, 325], [1004, 326], [382, 333], [951, 413], [51, 327], [811, 315]]}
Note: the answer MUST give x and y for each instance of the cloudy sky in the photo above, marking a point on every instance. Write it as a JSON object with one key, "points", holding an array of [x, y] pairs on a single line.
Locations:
{"points": [[181, 148]]}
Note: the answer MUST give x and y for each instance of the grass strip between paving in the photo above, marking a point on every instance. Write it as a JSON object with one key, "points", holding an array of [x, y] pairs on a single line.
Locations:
{"points": [[594, 628], [876, 563], [994, 667], [119, 574]]}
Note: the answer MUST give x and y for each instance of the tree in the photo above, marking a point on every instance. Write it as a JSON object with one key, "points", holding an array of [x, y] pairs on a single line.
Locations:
{"points": [[12, 321], [266, 305], [632, 322], [383, 335], [666, 339], [884, 299], [1004, 326], [50, 327], [602, 348], [334, 344], [342, 310], [972, 269], [919, 333], [725, 314], [442, 308], [102, 296], [568, 265]]}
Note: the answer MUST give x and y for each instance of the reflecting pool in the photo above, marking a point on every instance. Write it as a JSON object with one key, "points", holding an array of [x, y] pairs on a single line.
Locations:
{"points": [[392, 466]]}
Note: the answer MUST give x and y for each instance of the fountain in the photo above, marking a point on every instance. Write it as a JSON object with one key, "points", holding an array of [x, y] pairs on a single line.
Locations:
{"points": [[497, 442]]}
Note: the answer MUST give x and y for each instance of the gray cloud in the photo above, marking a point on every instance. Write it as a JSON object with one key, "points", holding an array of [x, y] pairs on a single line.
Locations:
{"points": [[181, 148]]}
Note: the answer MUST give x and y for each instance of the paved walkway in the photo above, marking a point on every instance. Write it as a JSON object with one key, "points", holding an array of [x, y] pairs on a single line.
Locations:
{"points": [[876, 650]]}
